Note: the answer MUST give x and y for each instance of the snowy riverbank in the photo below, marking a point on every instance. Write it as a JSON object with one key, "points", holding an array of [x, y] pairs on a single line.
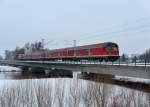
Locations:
{"points": [[132, 79], [9, 69]]}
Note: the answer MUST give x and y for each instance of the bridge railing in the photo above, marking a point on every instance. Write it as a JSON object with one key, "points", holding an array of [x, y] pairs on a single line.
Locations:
{"points": [[133, 62], [116, 63], [119, 62]]}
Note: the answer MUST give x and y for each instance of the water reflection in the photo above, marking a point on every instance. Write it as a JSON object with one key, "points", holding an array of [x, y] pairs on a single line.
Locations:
{"points": [[45, 90], [33, 75], [99, 78], [110, 79]]}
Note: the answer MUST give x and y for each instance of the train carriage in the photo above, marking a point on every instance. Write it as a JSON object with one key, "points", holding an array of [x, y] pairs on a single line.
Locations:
{"points": [[108, 51]]}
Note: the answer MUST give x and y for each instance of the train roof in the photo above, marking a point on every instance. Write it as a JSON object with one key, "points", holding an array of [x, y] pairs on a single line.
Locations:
{"points": [[85, 46], [78, 47]]}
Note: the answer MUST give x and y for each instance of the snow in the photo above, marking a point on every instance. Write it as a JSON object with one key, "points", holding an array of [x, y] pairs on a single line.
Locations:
{"points": [[132, 79], [9, 69]]}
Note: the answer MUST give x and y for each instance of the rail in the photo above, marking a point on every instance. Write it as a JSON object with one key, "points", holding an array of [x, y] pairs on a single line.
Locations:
{"points": [[116, 63]]}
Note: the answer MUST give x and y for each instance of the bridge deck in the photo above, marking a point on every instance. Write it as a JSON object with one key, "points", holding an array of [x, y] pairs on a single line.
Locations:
{"points": [[117, 69]]}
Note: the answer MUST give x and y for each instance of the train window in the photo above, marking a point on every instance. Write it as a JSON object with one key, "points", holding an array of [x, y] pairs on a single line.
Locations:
{"points": [[77, 52], [81, 50], [109, 48], [95, 50], [64, 52], [91, 50], [86, 50], [61, 53], [56, 53], [71, 52]]}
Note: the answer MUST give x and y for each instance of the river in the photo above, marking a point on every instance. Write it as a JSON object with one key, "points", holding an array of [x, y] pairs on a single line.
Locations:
{"points": [[39, 90]]}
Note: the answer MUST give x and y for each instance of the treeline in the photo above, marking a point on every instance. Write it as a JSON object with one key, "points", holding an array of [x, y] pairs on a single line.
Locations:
{"points": [[27, 48], [144, 57]]}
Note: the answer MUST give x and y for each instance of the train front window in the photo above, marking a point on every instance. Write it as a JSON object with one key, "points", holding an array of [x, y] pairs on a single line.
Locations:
{"points": [[108, 49], [111, 47]]}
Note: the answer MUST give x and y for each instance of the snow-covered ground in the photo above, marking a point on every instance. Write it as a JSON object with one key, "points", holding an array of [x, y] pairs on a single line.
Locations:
{"points": [[132, 79], [9, 69]]}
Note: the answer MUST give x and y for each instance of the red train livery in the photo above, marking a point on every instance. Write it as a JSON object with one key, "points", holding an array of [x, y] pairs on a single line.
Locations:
{"points": [[108, 51]]}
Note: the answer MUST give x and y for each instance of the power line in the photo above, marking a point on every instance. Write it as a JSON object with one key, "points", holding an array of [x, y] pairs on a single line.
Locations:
{"points": [[117, 32], [129, 25], [50, 41], [110, 37]]}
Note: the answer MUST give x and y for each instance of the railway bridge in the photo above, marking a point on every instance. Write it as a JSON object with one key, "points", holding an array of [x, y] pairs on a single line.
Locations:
{"points": [[129, 70]]}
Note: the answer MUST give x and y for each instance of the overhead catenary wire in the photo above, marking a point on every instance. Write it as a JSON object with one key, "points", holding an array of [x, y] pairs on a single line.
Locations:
{"points": [[127, 25], [108, 34], [139, 25], [122, 31], [117, 35]]}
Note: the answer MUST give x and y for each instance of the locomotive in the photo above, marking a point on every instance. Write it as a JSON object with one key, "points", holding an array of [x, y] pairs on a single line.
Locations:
{"points": [[107, 51]]}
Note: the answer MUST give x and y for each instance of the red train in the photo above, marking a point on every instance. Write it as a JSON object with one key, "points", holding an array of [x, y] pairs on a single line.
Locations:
{"points": [[103, 51]]}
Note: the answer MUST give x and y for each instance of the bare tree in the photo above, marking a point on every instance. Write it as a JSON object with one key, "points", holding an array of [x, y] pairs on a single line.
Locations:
{"points": [[87, 95], [124, 58], [145, 57], [99, 95], [74, 96], [44, 94], [60, 94]]}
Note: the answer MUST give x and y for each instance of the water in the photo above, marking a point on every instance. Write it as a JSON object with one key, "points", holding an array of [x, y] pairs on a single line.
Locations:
{"points": [[38, 90]]}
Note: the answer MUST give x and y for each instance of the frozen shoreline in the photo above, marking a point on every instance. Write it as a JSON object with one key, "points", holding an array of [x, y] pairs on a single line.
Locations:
{"points": [[132, 79], [9, 69]]}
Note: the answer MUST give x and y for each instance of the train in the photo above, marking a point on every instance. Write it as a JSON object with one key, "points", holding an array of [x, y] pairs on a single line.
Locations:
{"points": [[108, 51]]}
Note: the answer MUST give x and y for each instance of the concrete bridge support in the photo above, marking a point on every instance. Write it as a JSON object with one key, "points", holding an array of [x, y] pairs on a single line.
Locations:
{"points": [[58, 73], [25, 68], [33, 69]]}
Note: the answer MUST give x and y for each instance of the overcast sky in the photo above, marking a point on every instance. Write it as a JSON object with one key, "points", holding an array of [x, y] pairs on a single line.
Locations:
{"points": [[126, 22]]}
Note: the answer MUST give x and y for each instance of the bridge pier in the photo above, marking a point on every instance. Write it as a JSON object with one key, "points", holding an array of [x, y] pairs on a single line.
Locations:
{"points": [[38, 70], [58, 73], [25, 68], [32, 69], [84, 73]]}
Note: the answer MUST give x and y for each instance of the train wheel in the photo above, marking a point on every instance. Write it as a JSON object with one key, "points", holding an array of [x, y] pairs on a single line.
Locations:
{"points": [[106, 59], [113, 59], [101, 59]]}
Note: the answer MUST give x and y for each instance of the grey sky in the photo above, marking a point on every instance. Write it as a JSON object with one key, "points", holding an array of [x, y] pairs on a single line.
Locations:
{"points": [[126, 22]]}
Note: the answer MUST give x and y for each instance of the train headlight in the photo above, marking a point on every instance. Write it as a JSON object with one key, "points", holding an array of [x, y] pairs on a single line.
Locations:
{"points": [[115, 49]]}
